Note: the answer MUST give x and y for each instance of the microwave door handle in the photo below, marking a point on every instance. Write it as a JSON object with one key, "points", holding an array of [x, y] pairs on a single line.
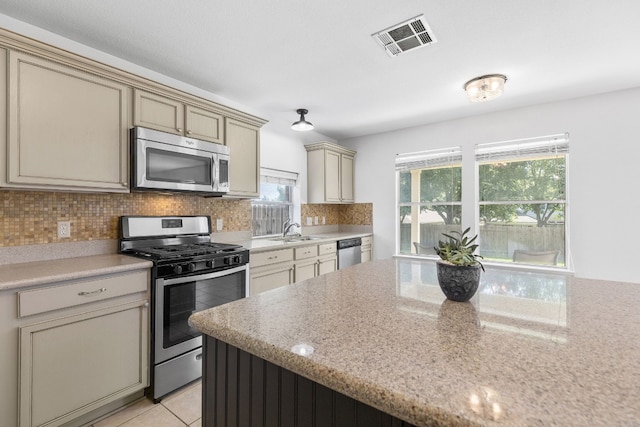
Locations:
{"points": [[188, 181], [214, 172]]}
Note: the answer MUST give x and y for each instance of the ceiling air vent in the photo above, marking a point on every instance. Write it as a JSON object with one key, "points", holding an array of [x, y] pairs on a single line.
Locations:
{"points": [[406, 36]]}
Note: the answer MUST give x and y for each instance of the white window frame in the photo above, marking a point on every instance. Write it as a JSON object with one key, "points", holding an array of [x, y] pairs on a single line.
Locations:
{"points": [[277, 176], [471, 157]]}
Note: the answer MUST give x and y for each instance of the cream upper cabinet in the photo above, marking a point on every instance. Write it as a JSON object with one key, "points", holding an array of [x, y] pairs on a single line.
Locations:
{"points": [[67, 128], [243, 140], [330, 170], [168, 115]]}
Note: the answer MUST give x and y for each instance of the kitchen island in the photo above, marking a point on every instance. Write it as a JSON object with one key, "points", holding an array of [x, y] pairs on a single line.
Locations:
{"points": [[530, 349]]}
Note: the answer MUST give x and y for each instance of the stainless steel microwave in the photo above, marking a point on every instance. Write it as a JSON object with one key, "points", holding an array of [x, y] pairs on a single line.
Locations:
{"points": [[166, 162]]}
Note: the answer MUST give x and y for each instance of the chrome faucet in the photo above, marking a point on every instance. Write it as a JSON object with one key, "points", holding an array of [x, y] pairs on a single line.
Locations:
{"points": [[287, 225]]}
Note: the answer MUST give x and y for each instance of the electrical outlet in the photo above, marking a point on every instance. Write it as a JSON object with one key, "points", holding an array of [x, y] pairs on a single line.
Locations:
{"points": [[309, 220], [219, 224], [315, 220], [64, 229], [324, 221]]}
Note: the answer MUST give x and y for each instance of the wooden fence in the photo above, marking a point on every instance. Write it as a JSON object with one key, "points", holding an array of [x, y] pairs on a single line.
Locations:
{"points": [[497, 241]]}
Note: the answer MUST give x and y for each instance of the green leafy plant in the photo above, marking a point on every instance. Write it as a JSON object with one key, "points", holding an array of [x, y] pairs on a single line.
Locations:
{"points": [[459, 249]]}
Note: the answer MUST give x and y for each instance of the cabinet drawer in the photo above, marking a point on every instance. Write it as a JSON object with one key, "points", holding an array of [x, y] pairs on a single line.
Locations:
{"points": [[366, 241], [271, 257], [327, 248], [306, 252], [56, 297]]}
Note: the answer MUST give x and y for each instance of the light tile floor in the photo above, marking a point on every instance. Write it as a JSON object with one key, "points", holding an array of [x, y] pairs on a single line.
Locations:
{"points": [[180, 409]]}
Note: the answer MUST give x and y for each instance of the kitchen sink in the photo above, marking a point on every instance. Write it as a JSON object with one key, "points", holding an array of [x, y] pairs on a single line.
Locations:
{"points": [[294, 238]]}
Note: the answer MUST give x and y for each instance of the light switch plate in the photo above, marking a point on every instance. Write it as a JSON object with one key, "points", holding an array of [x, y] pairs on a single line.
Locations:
{"points": [[315, 220], [219, 224], [309, 220]]}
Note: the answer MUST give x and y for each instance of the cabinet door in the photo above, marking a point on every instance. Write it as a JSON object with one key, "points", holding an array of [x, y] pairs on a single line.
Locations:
{"points": [[75, 364], [158, 112], [305, 270], [68, 129], [332, 176], [204, 124], [243, 141], [269, 278], [327, 265], [366, 254], [346, 178]]}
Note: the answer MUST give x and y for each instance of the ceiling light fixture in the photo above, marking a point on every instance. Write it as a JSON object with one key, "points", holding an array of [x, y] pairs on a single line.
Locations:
{"points": [[302, 124], [485, 88]]}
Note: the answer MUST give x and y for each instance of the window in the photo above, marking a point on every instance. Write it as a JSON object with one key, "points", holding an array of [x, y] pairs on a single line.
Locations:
{"points": [[522, 200], [429, 198], [519, 194], [276, 202]]}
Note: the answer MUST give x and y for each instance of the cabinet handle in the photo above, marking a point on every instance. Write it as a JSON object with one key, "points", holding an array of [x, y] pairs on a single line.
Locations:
{"points": [[179, 130], [97, 291], [188, 132], [273, 257], [199, 356]]}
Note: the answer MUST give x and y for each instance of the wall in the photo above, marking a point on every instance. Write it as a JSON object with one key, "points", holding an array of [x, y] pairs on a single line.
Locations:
{"points": [[603, 172]]}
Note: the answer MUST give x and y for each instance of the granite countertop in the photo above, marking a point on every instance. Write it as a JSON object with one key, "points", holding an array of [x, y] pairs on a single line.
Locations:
{"points": [[14, 276], [267, 244], [530, 349]]}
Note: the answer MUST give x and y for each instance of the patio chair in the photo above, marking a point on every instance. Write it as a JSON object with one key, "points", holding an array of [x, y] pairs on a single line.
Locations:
{"points": [[423, 250], [536, 257]]}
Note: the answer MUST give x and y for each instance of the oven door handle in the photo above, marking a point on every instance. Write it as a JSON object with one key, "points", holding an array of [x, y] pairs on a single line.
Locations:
{"points": [[213, 275]]}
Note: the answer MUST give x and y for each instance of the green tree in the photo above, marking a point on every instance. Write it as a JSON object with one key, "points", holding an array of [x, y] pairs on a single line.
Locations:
{"points": [[536, 180], [438, 189]]}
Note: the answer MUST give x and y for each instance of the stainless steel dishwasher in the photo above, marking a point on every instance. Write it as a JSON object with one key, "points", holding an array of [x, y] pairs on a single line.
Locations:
{"points": [[349, 252]]}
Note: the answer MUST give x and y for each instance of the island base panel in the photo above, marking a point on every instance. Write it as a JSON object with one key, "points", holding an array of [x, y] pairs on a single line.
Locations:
{"points": [[243, 390]]}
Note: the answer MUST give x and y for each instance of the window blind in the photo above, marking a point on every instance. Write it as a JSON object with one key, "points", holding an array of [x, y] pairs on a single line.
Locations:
{"points": [[429, 159], [550, 145], [275, 176]]}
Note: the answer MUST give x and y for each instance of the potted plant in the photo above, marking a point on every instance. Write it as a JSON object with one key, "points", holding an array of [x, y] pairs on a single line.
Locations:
{"points": [[459, 266]]}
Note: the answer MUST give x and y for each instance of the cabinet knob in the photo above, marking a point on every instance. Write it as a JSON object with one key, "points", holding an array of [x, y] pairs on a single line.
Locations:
{"points": [[188, 132], [179, 130]]}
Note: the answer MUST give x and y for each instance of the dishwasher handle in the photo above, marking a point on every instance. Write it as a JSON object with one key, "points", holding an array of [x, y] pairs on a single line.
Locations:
{"points": [[349, 243]]}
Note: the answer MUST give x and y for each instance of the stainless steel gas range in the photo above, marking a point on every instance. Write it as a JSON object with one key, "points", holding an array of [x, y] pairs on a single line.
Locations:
{"points": [[190, 273]]}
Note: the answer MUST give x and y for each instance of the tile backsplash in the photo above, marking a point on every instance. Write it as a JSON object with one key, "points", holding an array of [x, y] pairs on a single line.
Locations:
{"points": [[31, 217], [352, 214]]}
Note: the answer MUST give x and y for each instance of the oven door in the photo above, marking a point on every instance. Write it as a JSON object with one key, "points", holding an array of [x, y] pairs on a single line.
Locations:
{"points": [[169, 167], [177, 298]]}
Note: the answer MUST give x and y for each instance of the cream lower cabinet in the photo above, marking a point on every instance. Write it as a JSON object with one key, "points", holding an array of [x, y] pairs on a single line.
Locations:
{"points": [[314, 261], [306, 266], [169, 115], [366, 248], [243, 140], [270, 270], [67, 129], [74, 349]]}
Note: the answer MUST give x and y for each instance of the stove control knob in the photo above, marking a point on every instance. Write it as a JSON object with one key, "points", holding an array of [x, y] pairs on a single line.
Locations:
{"points": [[191, 267], [228, 260], [177, 269], [236, 259], [210, 264]]}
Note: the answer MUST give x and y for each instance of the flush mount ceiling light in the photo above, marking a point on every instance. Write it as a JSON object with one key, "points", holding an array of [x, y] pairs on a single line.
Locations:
{"points": [[485, 88], [302, 124]]}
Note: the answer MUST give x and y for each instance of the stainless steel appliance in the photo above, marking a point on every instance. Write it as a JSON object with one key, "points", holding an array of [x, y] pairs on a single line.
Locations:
{"points": [[349, 252], [163, 161], [190, 273]]}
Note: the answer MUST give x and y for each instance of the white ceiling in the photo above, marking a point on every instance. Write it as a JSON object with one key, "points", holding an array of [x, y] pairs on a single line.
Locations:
{"points": [[280, 55]]}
